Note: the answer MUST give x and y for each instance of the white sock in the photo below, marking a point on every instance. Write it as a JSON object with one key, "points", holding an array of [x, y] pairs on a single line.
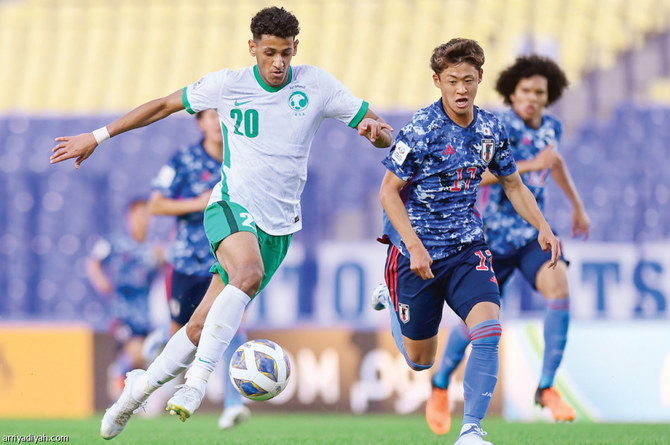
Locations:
{"points": [[222, 322], [175, 357]]}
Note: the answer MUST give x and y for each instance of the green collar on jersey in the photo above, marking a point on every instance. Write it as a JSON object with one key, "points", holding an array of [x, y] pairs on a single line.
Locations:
{"points": [[267, 87]]}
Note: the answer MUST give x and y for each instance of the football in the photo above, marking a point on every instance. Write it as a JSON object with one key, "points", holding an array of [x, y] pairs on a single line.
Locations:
{"points": [[259, 369]]}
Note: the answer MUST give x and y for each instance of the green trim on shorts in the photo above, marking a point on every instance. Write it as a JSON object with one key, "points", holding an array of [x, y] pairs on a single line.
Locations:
{"points": [[223, 218], [230, 218]]}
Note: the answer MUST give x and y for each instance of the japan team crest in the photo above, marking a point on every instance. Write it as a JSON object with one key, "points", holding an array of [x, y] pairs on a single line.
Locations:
{"points": [[403, 312], [488, 150]]}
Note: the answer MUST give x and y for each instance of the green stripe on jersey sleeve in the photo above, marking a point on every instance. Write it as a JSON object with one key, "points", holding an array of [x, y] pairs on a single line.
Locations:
{"points": [[184, 100], [359, 116]]}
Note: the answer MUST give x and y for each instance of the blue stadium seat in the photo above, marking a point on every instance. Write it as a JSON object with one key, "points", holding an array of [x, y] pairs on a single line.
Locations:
{"points": [[52, 213]]}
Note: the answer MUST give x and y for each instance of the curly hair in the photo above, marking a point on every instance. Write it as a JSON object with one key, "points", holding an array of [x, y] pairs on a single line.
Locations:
{"points": [[528, 66], [276, 22], [457, 51]]}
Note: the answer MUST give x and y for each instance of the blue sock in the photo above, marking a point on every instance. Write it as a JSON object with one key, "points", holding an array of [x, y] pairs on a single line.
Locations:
{"points": [[556, 322], [481, 372], [397, 337], [230, 395], [454, 350]]}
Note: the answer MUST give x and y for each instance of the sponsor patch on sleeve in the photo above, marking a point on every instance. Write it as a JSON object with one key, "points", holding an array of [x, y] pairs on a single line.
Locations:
{"points": [[400, 152]]}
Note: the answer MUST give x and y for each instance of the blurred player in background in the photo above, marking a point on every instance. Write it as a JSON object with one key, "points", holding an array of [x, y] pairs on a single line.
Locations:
{"points": [[438, 252], [528, 86], [269, 115], [182, 188], [124, 266]]}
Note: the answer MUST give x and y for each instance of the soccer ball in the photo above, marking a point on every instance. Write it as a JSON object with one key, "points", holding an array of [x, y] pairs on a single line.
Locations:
{"points": [[259, 369]]}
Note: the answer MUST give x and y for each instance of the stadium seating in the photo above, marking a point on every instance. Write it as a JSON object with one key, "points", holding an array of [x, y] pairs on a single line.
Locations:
{"points": [[92, 55], [52, 214], [71, 65]]}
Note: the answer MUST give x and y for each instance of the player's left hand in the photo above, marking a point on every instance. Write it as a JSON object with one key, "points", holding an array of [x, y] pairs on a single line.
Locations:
{"points": [[548, 241], [580, 222], [373, 129]]}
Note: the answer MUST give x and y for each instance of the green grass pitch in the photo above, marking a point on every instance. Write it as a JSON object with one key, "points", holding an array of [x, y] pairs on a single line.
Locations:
{"points": [[336, 429]]}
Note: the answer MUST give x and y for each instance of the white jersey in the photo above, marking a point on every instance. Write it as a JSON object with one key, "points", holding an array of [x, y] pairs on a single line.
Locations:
{"points": [[267, 135]]}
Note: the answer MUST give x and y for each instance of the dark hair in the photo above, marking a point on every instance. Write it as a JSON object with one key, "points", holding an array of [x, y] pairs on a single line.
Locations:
{"points": [[528, 66], [276, 22], [457, 51]]}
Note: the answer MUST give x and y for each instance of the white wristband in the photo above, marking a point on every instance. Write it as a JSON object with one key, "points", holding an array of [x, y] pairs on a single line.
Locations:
{"points": [[101, 134]]}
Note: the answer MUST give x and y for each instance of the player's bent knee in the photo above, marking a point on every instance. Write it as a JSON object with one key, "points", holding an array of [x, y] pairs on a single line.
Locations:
{"points": [[555, 291], [417, 366], [193, 331], [419, 360], [248, 278]]}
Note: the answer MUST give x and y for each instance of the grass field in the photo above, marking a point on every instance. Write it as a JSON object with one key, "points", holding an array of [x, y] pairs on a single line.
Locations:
{"points": [[333, 429]]}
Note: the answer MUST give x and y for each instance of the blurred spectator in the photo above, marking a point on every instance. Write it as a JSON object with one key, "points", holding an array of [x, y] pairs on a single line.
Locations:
{"points": [[123, 266]]}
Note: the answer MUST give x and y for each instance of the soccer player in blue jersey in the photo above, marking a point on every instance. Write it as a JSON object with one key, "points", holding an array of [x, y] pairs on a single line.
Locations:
{"points": [[529, 85], [124, 265], [438, 253], [269, 114], [182, 188]]}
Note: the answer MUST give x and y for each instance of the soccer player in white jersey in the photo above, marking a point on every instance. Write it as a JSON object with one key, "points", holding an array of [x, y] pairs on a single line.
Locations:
{"points": [[269, 115]]}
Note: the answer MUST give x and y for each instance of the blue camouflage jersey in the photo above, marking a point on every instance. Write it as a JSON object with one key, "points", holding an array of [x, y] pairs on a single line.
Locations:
{"points": [[190, 172], [131, 267], [442, 164], [506, 230]]}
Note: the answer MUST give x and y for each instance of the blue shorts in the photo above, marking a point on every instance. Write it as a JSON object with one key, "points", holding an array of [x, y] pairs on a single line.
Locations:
{"points": [[124, 330], [528, 259], [461, 280], [186, 292]]}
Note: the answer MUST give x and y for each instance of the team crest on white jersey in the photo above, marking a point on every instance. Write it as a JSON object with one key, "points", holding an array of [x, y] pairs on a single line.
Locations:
{"points": [[403, 312], [488, 149], [298, 101]]}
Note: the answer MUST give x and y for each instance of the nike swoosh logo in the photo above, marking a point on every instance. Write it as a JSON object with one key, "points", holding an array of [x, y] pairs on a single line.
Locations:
{"points": [[241, 102], [205, 361]]}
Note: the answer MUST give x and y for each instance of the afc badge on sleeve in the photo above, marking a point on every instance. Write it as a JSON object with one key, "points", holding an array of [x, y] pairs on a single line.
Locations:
{"points": [[400, 152]]}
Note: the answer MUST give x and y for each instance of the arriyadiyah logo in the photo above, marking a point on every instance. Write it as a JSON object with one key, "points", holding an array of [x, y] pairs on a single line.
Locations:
{"points": [[298, 101]]}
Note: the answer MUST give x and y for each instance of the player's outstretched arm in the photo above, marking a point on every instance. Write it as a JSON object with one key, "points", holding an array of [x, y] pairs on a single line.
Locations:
{"points": [[160, 204], [420, 260], [375, 129], [546, 159], [82, 146], [580, 220], [97, 277], [524, 203]]}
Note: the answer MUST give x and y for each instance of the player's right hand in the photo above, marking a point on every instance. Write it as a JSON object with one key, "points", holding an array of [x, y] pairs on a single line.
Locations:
{"points": [[79, 147], [546, 158], [420, 262], [549, 242]]}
